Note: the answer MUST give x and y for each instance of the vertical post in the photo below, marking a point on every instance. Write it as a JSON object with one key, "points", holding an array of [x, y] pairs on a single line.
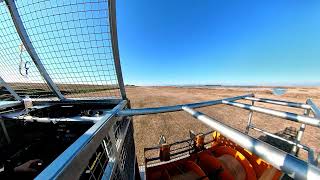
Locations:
{"points": [[295, 149], [115, 48], [11, 91], [29, 47], [249, 119]]}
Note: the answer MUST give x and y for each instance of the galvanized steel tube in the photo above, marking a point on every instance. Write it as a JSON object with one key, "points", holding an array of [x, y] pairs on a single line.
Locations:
{"points": [[115, 48], [294, 167], [286, 115], [279, 102], [164, 109], [295, 149], [314, 108]]}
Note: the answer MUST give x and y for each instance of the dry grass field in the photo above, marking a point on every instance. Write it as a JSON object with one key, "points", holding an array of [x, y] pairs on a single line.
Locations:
{"points": [[176, 125]]}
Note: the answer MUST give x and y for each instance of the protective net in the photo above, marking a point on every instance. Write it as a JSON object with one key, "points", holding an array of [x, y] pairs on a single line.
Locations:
{"points": [[73, 42]]}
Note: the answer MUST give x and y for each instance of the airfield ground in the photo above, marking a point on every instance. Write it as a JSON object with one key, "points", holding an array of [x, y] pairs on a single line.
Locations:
{"points": [[175, 126]]}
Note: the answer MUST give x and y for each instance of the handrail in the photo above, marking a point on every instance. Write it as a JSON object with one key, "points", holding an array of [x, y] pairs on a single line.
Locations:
{"points": [[279, 102], [164, 109], [291, 165], [286, 115]]}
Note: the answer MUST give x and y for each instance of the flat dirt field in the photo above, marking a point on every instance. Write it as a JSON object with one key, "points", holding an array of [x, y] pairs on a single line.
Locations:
{"points": [[176, 125]]}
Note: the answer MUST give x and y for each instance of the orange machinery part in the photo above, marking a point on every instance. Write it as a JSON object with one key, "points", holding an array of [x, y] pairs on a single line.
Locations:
{"points": [[212, 162], [222, 150]]}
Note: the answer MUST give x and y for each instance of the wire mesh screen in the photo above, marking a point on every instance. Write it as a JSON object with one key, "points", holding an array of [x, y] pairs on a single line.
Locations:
{"points": [[127, 155], [73, 42], [122, 157], [16, 66], [98, 162]]}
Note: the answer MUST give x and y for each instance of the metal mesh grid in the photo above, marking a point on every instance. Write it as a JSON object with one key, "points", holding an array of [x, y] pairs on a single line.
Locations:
{"points": [[73, 42], [124, 169], [123, 158], [98, 163], [99, 160], [16, 66], [127, 155]]}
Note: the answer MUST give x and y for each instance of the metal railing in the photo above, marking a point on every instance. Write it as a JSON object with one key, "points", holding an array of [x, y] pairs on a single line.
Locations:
{"points": [[289, 164], [165, 109], [279, 102], [178, 149], [281, 160], [106, 150], [304, 119], [285, 115]]}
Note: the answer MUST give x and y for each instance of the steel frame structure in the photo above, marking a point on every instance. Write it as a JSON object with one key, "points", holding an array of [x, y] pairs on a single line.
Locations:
{"points": [[72, 162], [105, 133]]}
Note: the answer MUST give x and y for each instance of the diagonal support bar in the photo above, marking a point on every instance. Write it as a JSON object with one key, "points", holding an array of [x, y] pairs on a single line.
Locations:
{"points": [[315, 109], [286, 115], [11, 91], [294, 167], [29, 47]]}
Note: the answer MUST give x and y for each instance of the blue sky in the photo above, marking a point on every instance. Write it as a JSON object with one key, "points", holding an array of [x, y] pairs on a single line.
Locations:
{"points": [[219, 42]]}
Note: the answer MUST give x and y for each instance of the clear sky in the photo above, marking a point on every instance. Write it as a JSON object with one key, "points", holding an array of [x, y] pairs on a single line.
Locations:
{"points": [[219, 42]]}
